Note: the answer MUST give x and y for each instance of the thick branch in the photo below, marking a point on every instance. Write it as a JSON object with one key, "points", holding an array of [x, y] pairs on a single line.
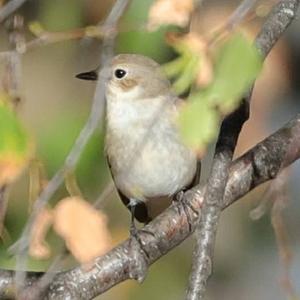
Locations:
{"points": [[175, 224], [278, 20]]}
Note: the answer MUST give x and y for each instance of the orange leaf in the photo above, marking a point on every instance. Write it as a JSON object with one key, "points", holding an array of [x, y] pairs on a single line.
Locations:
{"points": [[10, 169], [199, 46], [83, 228], [165, 12]]}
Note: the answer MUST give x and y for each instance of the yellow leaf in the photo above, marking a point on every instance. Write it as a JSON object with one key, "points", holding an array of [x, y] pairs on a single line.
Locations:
{"points": [[36, 28]]}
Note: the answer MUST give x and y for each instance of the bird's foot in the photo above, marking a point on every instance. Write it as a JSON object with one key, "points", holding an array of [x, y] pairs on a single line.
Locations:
{"points": [[185, 206], [179, 197], [133, 230]]}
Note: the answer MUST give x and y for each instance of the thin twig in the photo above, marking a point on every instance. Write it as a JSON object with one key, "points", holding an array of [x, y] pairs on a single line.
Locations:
{"points": [[280, 198], [72, 158], [233, 21], [9, 8], [240, 13], [3, 207], [49, 37], [173, 226], [105, 195], [278, 20]]}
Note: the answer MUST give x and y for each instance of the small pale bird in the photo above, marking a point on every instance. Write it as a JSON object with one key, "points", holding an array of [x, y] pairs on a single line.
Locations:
{"points": [[148, 160]]}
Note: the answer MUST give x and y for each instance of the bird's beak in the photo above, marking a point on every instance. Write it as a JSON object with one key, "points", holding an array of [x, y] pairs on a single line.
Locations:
{"points": [[91, 75]]}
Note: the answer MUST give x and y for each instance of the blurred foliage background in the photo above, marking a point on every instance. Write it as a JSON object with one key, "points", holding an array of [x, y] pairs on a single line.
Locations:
{"points": [[55, 104]]}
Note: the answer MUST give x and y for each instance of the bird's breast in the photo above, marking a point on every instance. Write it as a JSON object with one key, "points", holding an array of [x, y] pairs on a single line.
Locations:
{"points": [[146, 155]]}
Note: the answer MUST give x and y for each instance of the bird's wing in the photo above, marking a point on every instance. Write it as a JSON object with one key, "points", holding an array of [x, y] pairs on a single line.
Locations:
{"points": [[196, 179], [140, 211]]}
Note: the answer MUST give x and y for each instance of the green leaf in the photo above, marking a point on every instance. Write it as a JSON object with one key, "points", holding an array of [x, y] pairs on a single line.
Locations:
{"points": [[198, 124], [14, 145], [12, 135], [187, 76], [237, 66], [175, 67]]}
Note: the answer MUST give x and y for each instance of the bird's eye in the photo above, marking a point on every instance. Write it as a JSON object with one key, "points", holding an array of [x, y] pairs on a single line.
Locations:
{"points": [[120, 73]]}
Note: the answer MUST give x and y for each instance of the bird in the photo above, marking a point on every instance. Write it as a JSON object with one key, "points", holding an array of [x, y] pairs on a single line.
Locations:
{"points": [[149, 162]]}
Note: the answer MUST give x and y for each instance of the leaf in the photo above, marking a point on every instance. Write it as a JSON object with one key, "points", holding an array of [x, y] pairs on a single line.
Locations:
{"points": [[237, 66], [83, 228], [37, 181], [198, 124], [187, 76], [36, 28], [15, 148], [38, 247], [205, 73], [193, 65], [175, 67], [164, 12]]}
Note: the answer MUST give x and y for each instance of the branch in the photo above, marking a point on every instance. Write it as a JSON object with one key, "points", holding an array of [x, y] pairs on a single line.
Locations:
{"points": [[87, 131], [9, 8], [3, 208], [278, 20], [240, 13], [174, 225]]}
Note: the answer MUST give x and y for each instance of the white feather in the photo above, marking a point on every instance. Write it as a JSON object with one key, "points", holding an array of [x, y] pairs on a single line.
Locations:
{"points": [[146, 154]]}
